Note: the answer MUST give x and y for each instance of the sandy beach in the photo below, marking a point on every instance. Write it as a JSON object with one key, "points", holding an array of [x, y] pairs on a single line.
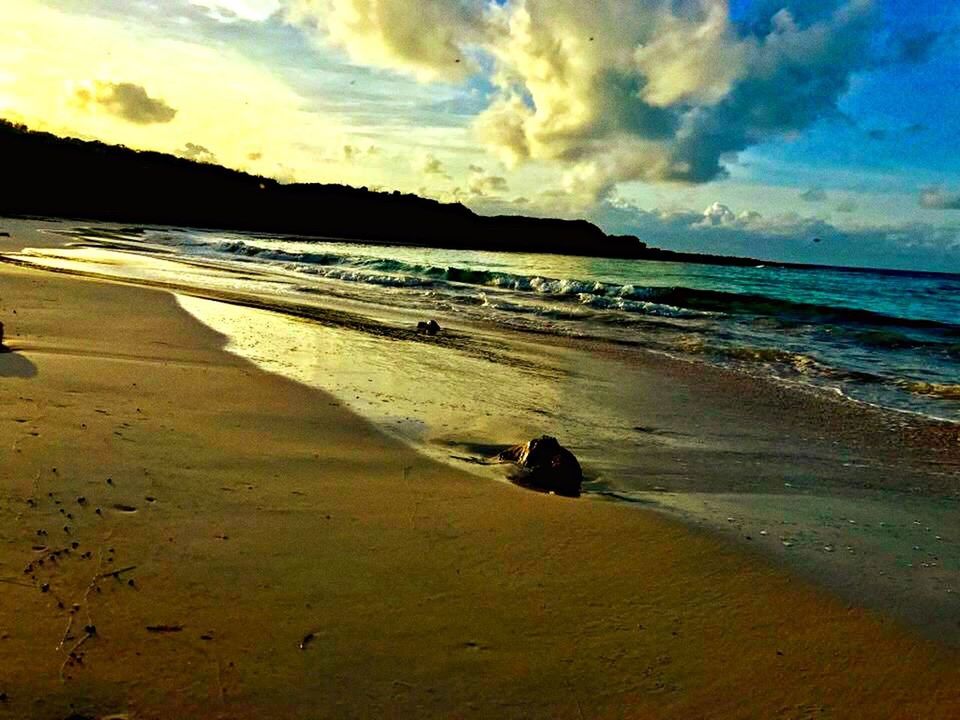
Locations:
{"points": [[275, 555]]}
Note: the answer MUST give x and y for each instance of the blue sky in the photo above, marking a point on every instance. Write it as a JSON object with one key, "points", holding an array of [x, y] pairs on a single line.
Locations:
{"points": [[695, 124]]}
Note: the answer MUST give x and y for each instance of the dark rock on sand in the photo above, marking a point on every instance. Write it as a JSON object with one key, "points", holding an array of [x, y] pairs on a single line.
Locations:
{"points": [[1, 334], [431, 327], [545, 465]]}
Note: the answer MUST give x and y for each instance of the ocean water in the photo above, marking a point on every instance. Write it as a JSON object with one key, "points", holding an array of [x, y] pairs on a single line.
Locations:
{"points": [[891, 339]]}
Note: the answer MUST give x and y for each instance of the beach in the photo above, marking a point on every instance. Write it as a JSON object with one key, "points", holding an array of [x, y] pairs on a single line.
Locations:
{"points": [[288, 558]]}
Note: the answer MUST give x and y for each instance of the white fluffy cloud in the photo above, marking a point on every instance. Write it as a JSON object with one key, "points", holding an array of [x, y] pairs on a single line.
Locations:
{"points": [[422, 37], [617, 90]]}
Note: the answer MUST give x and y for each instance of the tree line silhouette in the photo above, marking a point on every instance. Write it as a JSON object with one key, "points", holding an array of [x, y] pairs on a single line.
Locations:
{"points": [[64, 177]]}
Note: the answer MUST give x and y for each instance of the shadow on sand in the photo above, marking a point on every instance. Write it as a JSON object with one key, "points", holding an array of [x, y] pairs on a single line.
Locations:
{"points": [[13, 364]]}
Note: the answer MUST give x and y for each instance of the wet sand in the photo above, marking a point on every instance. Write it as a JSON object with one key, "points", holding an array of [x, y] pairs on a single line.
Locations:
{"points": [[261, 515]]}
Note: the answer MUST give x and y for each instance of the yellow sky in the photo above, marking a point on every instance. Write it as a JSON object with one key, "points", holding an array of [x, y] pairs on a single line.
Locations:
{"points": [[223, 101]]}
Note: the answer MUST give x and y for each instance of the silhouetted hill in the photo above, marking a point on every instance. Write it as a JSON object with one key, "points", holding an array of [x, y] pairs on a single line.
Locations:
{"points": [[52, 176]]}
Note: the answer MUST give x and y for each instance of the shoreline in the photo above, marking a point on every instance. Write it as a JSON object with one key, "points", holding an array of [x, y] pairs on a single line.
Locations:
{"points": [[278, 515], [817, 483]]}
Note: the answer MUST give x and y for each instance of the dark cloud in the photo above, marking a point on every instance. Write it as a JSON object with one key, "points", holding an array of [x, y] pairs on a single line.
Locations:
{"points": [[814, 195], [126, 100], [939, 198]]}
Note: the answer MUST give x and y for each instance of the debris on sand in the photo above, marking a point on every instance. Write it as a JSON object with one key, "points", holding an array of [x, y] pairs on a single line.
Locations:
{"points": [[164, 628], [545, 465], [431, 327]]}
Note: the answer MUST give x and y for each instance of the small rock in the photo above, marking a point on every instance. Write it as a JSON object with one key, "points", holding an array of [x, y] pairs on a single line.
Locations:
{"points": [[545, 465], [431, 327]]}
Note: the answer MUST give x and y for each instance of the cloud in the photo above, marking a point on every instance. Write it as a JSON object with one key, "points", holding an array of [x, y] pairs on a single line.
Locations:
{"points": [[719, 229], [936, 197], [431, 165], [611, 91], [666, 90], [483, 184], [426, 38], [233, 10], [846, 206], [351, 152], [814, 195], [125, 100], [199, 153]]}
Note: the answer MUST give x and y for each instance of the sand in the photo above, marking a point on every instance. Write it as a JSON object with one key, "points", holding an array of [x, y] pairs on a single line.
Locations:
{"points": [[266, 513]]}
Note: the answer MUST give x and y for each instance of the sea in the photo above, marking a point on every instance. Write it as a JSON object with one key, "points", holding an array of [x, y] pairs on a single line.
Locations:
{"points": [[890, 338]]}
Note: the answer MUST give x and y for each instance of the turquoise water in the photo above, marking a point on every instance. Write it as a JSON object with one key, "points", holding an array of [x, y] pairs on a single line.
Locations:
{"points": [[877, 336], [887, 338]]}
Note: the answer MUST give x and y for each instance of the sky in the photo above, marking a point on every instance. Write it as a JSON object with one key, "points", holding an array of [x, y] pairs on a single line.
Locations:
{"points": [[745, 127]]}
